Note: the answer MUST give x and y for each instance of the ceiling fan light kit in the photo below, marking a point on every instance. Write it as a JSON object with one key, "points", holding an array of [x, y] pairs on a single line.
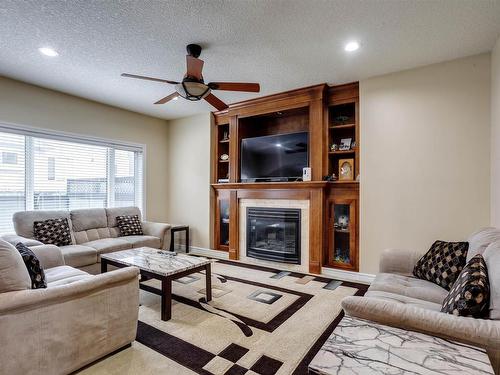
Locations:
{"points": [[193, 87]]}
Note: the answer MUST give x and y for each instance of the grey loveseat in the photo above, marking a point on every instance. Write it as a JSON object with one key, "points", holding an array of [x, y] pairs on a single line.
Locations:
{"points": [[76, 320], [396, 298], [93, 231]]}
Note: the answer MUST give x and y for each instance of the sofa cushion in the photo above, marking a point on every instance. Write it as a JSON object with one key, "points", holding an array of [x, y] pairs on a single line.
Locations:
{"points": [[24, 220], [112, 213], [62, 275], [129, 225], [78, 255], [13, 272], [140, 241], [470, 294], [89, 218], [92, 235], [14, 239], [492, 259], [35, 270], [409, 287], [399, 299], [479, 241], [442, 263], [108, 245], [53, 232]]}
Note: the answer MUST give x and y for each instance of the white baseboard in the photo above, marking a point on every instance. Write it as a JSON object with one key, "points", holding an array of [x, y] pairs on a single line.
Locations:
{"points": [[357, 277], [208, 252]]}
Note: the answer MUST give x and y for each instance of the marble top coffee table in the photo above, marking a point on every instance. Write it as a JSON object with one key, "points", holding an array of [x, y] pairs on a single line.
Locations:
{"points": [[362, 347], [161, 265]]}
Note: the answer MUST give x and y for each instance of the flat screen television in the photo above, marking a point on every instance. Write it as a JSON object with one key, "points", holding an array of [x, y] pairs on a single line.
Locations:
{"points": [[274, 157]]}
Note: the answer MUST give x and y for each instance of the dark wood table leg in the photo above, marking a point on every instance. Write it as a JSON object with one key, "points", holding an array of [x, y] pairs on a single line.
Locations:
{"points": [[187, 240], [208, 273], [104, 266], [166, 298]]}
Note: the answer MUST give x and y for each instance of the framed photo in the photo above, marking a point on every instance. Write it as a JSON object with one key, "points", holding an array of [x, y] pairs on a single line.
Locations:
{"points": [[346, 169], [345, 144]]}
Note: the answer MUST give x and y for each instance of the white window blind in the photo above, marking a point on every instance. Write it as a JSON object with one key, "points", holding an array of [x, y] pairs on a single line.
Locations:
{"points": [[49, 173]]}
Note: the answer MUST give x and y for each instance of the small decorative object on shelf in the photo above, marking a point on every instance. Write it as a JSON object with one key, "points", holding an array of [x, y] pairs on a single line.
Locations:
{"points": [[334, 147], [342, 256], [343, 221], [346, 169], [332, 177], [345, 144], [358, 177], [353, 145], [306, 174], [225, 136], [223, 180], [341, 119], [224, 157]]}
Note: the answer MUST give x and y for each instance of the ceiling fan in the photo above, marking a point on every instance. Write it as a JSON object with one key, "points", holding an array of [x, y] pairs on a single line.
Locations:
{"points": [[192, 87]]}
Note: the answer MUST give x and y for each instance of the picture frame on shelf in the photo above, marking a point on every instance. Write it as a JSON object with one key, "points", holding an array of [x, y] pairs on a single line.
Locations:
{"points": [[345, 144], [346, 170]]}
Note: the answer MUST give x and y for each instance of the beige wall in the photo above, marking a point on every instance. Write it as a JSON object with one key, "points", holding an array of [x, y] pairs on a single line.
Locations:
{"points": [[425, 156], [495, 135], [189, 176], [25, 104]]}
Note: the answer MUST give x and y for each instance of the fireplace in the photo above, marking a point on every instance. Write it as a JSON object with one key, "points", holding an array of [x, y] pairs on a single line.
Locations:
{"points": [[273, 234]]}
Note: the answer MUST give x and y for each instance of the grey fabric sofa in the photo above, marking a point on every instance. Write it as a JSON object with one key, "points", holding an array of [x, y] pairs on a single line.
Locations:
{"points": [[93, 231], [396, 298], [76, 320]]}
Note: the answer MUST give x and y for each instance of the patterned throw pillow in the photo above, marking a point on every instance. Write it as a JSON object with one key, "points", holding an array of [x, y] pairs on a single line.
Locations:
{"points": [[33, 265], [129, 225], [53, 232], [470, 294], [442, 263]]}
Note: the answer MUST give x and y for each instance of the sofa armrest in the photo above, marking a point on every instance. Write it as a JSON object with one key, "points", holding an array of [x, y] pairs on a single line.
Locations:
{"points": [[32, 299], [481, 332], [160, 230], [14, 239], [49, 255], [398, 261]]}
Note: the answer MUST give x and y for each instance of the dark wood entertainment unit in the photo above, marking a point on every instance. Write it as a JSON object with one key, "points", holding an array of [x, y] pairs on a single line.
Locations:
{"points": [[329, 114]]}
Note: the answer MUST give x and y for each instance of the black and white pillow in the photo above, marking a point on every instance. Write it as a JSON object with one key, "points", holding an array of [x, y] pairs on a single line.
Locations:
{"points": [[32, 263], [53, 232], [129, 225], [470, 294], [442, 263]]}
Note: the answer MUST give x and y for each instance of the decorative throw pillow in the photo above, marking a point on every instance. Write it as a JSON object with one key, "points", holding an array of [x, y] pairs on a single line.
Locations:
{"points": [[33, 265], [129, 225], [442, 263], [470, 294], [53, 232]]}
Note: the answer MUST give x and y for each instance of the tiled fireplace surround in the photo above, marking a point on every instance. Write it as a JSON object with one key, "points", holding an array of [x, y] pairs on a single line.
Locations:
{"points": [[303, 205]]}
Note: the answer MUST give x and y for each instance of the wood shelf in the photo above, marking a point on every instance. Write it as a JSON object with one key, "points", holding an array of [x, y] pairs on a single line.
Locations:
{"points": [[343, 126], [223, 161], [224, 141], [340, 152], [342, 231]]}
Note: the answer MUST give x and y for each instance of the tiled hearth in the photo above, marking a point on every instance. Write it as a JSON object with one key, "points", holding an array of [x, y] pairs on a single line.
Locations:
{"points": [[303, 205]]}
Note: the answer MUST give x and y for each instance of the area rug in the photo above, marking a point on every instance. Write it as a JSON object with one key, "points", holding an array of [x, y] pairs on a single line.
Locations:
{"points": [[260, 320]]}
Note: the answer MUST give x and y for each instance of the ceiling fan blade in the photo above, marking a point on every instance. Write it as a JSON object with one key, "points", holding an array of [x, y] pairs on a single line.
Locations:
{"points": [[149, 78], [235, 86], [167, 98], [194, 67], [216, 102]]}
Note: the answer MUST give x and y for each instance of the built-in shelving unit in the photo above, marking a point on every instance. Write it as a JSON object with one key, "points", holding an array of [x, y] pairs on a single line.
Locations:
{"points": [[328, 115]]}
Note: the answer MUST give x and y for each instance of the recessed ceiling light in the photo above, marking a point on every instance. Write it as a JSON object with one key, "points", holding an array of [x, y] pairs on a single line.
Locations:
{"points": [[175, 98], [47, 51], [351, 46]]}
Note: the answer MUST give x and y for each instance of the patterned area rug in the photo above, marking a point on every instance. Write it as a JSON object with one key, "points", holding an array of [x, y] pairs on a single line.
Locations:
{"points": [[260, 320]]}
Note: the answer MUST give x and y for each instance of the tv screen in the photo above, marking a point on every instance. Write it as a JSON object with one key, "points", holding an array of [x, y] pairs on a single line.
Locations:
{"points": [[274, 157]]}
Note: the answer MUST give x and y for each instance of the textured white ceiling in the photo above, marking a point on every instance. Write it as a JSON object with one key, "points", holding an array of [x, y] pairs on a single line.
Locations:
{"points": [[283, 44]]}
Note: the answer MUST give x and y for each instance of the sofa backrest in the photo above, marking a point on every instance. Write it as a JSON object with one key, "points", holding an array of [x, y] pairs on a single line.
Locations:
{"points": [[479, 240], [492, 259], [87, 224], [23, 220]]}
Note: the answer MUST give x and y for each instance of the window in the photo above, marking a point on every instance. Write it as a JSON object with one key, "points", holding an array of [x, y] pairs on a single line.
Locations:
{"points": [[52, 172]]}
